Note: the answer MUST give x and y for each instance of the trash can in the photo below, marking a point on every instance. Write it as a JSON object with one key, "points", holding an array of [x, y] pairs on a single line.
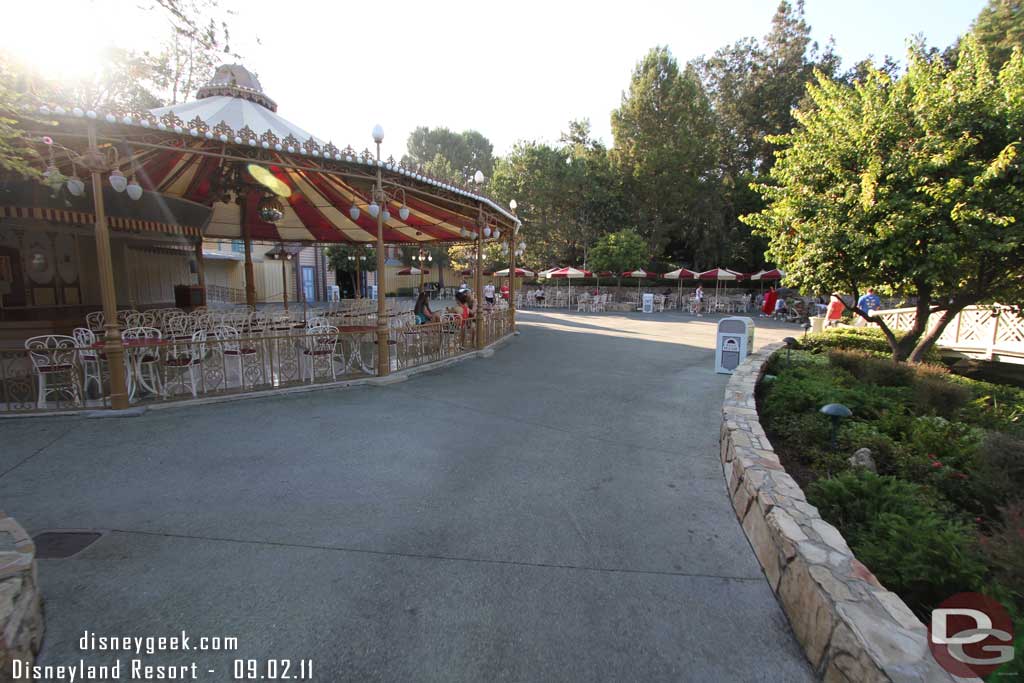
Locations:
{"points": [[733, 343], [817, 324]]}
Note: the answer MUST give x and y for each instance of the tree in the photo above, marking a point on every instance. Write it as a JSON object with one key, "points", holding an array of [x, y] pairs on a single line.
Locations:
{"points": [[913, 184], [662, 130], [1000, 28], [619, 252], [461, 154], [16, 155], [338, 259]]}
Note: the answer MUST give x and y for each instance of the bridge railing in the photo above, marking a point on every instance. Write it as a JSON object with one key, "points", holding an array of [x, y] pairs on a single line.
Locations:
{"points": [[982, 331]]}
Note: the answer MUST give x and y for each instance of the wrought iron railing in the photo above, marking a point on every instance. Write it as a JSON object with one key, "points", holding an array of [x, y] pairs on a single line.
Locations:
{"points": [[190, 366]]}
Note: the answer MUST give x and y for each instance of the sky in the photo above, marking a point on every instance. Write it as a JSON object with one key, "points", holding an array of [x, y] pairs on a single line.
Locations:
{"points": [[511, 70]]}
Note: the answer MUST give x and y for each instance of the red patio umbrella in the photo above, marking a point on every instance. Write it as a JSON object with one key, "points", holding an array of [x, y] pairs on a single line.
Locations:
{"points": [[681, 274], [720, 275], [640, 274], [570, 273]]}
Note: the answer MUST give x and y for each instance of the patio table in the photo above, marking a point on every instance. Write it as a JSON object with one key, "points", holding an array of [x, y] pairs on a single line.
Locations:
{"points": [[134, 361]]}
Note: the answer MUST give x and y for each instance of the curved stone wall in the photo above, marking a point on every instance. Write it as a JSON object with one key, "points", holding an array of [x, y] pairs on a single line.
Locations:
{"points": [[849, 625], [21, 616]]}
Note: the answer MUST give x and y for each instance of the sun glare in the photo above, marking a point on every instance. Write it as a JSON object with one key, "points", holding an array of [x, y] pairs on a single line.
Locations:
{"points": [[65, 40]]}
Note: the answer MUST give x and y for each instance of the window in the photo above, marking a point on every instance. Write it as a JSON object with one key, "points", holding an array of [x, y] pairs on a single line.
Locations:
{"points": [[237, 246]]}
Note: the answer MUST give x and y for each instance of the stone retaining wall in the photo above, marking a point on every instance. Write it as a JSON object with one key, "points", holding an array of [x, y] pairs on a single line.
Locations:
{"points": [[21, 616], [850, 627]]}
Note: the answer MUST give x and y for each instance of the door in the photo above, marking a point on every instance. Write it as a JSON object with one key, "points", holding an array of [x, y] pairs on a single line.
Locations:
{"points": [[308, 287]]}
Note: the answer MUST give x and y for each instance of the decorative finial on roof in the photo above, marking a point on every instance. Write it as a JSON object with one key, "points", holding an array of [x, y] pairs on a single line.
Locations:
{"points": [[234, 80]]}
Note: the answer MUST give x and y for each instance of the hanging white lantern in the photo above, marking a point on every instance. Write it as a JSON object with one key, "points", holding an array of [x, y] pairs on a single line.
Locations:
{"points": [[118, 181], [353, 212], [134, 190], [374, 209], [387, 215], [403, 213], [75, 186], [497, 234], [487, 232]]}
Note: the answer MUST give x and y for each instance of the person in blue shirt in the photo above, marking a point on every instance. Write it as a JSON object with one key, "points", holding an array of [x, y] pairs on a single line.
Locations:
{"points": [[869, 302]]}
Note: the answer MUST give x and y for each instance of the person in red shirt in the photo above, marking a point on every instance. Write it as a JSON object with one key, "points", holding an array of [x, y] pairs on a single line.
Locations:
{"points": [[834, 313], [768, 308]]}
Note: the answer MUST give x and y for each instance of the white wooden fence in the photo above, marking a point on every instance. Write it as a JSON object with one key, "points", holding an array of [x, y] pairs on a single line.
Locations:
{"points": [[986, 332]]}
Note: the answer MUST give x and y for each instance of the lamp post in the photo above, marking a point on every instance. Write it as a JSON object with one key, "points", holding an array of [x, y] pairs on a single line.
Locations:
{"points": [[383, 353], [512, 268], [422, 258], [790, 342], [357, 259]]}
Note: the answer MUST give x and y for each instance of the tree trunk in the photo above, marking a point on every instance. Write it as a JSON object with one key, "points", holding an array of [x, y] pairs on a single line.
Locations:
{"points": [[928, 340]]}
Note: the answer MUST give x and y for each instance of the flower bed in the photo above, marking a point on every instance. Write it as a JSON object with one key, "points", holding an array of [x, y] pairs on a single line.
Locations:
{"points": [[938, 507]]}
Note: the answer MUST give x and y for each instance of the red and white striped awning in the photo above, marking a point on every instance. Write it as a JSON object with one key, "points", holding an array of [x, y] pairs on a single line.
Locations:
{"points": [[681, 274], [642, 274], [182, 151], [569, 272], [86, 218], [720, 274], [413, 270], [520, 272], [773, 274]]}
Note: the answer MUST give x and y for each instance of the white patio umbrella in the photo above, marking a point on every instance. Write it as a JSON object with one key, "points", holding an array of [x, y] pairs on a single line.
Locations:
{"points": [[681, 274], [640, 274], [720, 275], [570, 274]]}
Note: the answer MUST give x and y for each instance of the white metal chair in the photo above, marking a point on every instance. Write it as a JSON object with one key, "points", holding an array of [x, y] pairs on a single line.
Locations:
{"points": [[188, 356], [95, 321], [143, 358], [89, 358], [230, 345], [53, 362], [320, 345]]}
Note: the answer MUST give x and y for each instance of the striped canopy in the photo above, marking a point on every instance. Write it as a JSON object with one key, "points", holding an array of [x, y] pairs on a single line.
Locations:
{"points": [[570, 272], [773, 274], [681, 274], [520, 272], [642, 274], [720, 274], [413, 270], [233, 131]]}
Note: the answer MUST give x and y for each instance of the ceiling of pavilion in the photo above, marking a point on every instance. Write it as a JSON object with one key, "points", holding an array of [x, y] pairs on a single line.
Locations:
{"points": [[200, 151]]}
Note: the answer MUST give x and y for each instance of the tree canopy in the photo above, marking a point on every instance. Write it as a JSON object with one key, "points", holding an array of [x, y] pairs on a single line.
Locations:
{"points": [[619, 252], [913, 184]]}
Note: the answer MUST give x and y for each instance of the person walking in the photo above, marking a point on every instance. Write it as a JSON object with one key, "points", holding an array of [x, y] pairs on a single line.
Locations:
{"points": [[698, 296]]}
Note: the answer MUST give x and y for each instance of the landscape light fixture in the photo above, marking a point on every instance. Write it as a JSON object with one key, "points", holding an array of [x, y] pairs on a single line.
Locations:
{"points": [[835, 412], [790, 342]]}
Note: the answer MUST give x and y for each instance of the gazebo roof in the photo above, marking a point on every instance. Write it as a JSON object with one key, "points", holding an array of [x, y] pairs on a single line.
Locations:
{"points": [[188, 151]]}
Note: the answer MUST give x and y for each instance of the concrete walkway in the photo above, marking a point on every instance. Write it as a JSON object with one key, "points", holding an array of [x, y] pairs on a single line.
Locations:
{"points": [[554, 513]]}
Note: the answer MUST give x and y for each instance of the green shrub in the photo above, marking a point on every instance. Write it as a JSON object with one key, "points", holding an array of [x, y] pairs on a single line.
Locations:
{"points": [[935, 394], [855, 434], [1004, 551], [901, 535], [998, 471], [868, 339], [871, 368], [992, 406]]}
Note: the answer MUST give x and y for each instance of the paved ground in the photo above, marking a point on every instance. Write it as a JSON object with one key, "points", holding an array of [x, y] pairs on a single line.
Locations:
{"points": [[556, 512]]}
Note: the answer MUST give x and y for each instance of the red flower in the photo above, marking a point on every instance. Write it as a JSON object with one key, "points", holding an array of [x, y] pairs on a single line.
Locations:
{"points": [[936, 464], [931, 456]]}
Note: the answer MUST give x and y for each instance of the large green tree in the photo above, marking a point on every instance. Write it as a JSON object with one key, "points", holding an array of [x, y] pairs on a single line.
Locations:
{"points": [[619, 251], [664, 148], [450, 155], [913, 184], [1000, 28]]}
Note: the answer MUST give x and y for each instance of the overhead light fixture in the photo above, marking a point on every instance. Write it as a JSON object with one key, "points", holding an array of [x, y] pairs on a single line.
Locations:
{"points": [[512, 204], [478, 177], [75, 186], [378, 134], [373, 208], [353, 212], [270, 210], [403, 213], [134, 190], [118, 181], [487, 232], [387, 215]]}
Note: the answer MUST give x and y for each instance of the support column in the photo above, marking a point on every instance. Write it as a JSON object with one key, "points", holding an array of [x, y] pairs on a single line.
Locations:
{"points": [[512, 279], [359, 275], [383, 351], [112, 341], [478, 288], [284, 279], [201, 267], [250, 278]]}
